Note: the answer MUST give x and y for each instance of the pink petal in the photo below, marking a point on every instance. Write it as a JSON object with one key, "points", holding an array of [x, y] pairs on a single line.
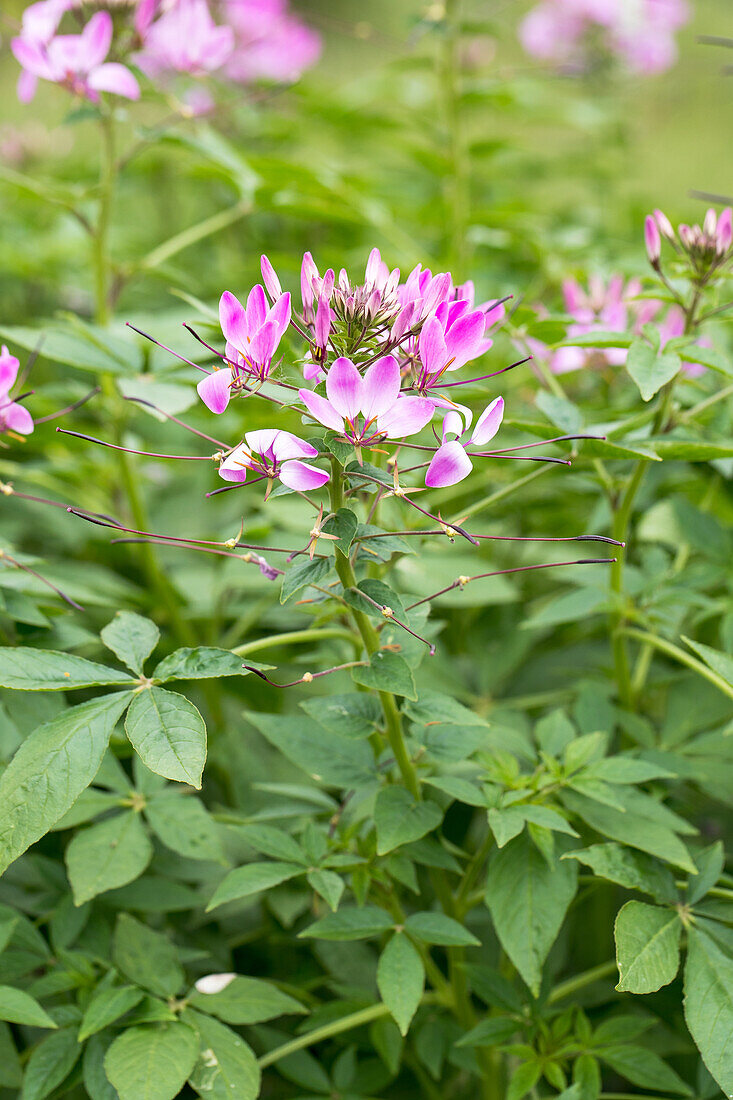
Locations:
{"points": [[433, 352], [256, 308], [32, 58], [260, 442], [450, 465], [323, 322], [381, 387], [26, 87], [16, 418], [321, 410], [96, 39], [372, 268], [452, 424], [344, 388], [488, 423], [279, 315], [262, 347], [407, 416], [234, 467], [312, 370], [463, 339], [233, 320], [302, 476], [216, 389], [8, 371], [288, 446], [270, 279], [116, 79]]}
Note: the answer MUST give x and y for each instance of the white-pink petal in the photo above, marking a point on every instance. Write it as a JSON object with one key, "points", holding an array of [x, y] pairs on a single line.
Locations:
{"points": [[381, 387], [489, 422], [233, 320], [302, 476], [96, 39], [344, 388], [216, 389], [234, 466], [115, 78], [450, 465], [321, 410], [407, 416]]}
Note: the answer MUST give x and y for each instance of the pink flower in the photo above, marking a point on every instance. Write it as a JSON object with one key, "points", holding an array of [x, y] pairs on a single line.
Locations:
{"points": [[269, 42], [451, 463], [77, 61], [13, 417], [252, 337], [184, 39], [652, 240], [39, 24], [367, 408], [448, 348], [275, 455]]}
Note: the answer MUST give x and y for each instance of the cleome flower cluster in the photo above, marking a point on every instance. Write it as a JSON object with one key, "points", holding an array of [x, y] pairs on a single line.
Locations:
{"points": [[376, 368], [242, 41]]}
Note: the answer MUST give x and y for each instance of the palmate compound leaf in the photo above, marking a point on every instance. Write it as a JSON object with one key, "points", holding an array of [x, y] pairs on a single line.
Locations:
{"points": [[401, 979], [647, 947], [168, 734], [26, 669], [709, 1005], [51, 769], [131, 637], [528, 900], [152, 1062]]}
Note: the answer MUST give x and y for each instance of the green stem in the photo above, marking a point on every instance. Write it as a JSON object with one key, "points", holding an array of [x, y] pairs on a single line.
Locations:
{"points": [[100, 238], [580, 981], [293, 637], [346, 1023], [194, 234], [458, 194], [679, 655]]}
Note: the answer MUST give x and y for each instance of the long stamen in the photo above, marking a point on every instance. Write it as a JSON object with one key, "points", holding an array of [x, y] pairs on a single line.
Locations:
{"points": [[461, 582], [27, 569], [69, 408], [307, 677], [176, 420], [481, 378], [170, 351], [390, 616], [132, 451]]}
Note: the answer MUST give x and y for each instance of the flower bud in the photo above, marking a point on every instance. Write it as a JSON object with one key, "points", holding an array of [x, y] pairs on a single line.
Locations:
{"points": [[652, 240], [664, 224], [270, 279], [710, 223], [724, 232]]}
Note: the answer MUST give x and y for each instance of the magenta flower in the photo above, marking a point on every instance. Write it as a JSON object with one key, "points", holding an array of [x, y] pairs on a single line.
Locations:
{"points": [[364, 409], [77, 61], [275, 455], [39, 24], [451, 463], [270, 43], [252, 337], [184, 39], [447, 348], [708, 245], [13, 417]]}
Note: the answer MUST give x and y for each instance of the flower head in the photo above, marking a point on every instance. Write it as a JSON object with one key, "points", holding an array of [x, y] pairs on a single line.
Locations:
{"points": [[270, 43], [13, 417], [77, 61], [275, 455], [366, 408], [451, 463], [183, 39]]}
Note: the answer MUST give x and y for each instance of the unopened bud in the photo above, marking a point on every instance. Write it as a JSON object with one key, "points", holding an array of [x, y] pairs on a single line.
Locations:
{"points": [[724, 232], [710, 224], [653, 241], [664, 224], [270, 279], [307, 677]]}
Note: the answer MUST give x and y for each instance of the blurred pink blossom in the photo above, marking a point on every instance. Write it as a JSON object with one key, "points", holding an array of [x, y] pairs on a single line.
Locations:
{"points": [[270, 42]]}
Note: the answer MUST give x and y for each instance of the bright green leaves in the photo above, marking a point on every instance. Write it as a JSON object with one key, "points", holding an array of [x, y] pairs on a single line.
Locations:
{"points": [[131, 638], [351, 924], [650, 367], [302, 574], [246, 1001], [647, 946], [106, 1006], [168, 734], [528, 899], [106, 855], [51, 769], [184, 825], [147, 958], [152, 1062], [387, 671], [43, 670], [709, 1005], [438, 929], [50, 1062], [226, 1068], [18, 1007], [253, 878], [324, 755], [399, 819], [201, 663], [401, 979], [354, 714]]}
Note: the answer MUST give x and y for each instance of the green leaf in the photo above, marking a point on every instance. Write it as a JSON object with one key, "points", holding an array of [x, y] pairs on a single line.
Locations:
{"points": [[634, 870], [343, 524], [350, 924], [50, 1063], [246, 1001], [650, 370], [107, 855], [202, 663], [378, 592], [253, 878], [27, 669], [711, 864], [302, 574], [560, 411], [438, 929], [647, 947], [598, 340], [147, 958], [328, 885], [387, 671], [708, 357], [11, 1071], [61, 345], [325, 756], [96, 1082], [691, 450], [274, 843], [184, 825], [51, 769], [400, 820], [168, 734], [709, 1005], [353, 714], [106, 1006], [644, 1068], [131, 638], [719, 662], [18, 1007], [524, 1080], [226, 1068], [152, 1062], [489, 1033], [401, 979], [528, 900]]}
